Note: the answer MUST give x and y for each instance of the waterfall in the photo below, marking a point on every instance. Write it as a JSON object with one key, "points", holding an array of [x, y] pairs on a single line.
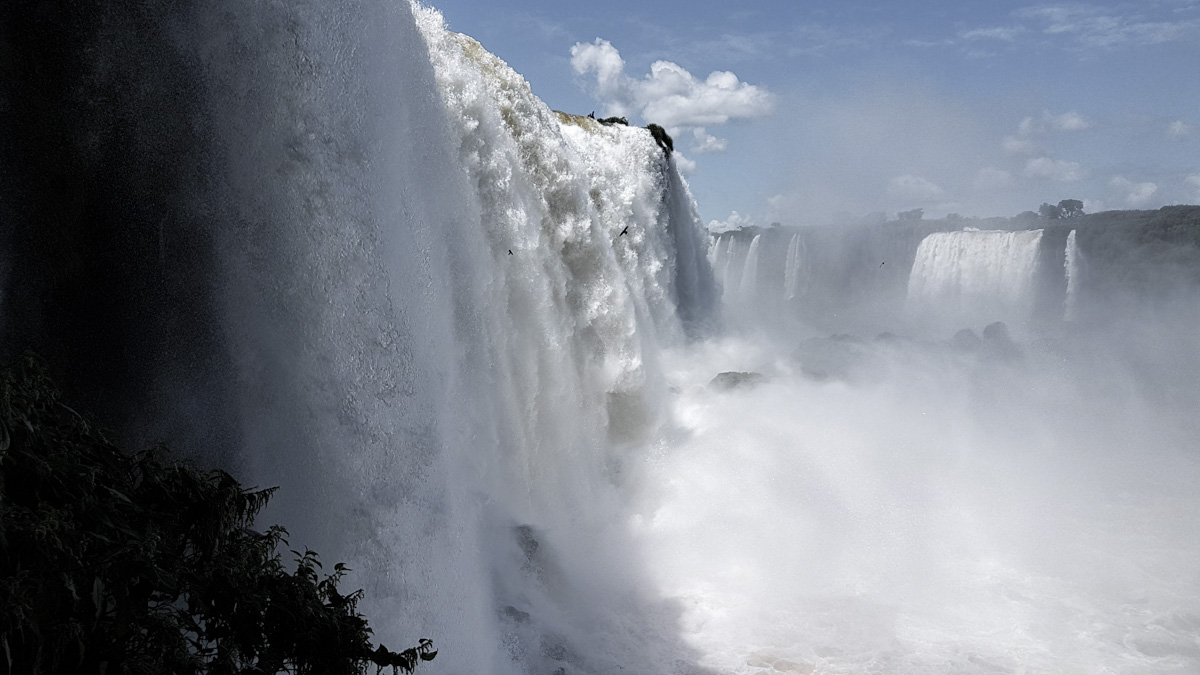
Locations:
{"points": [[791, 271], [714, 259], [1073, 268], [730, 271], [749, 282], [959, 278], [425, 305]]}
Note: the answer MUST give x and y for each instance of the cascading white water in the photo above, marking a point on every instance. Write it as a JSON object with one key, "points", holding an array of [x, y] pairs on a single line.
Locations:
{"points": [[973, 276], [446, 306], [748, 287], [715, 255], [1073, 268], [791, 271], [731, 277]]}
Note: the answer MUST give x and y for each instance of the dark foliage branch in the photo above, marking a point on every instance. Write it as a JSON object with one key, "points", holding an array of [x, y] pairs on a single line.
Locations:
{"points": [[120, 563]]}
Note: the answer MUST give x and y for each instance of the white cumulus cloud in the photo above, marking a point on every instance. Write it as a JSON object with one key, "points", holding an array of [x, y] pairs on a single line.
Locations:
{"points": [[669, 95], [733, 222], [1134, 194], [913, 188], [685, 165], [1054, 169], [706, 142]]}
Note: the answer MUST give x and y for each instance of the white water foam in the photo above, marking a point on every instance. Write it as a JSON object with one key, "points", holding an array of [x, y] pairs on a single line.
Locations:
{"points": [[1073, 269]]}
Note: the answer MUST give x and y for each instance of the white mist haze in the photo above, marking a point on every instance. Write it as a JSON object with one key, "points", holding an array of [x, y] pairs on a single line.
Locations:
{"points": [[891, 492], [923, 510]]}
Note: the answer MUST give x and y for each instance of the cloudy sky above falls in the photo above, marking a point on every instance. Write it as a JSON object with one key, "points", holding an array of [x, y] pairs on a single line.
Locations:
{"points": [[804, 112]]}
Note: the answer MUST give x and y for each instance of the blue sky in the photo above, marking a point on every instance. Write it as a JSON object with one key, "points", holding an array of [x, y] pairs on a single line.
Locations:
{"points": [[829, 112]]}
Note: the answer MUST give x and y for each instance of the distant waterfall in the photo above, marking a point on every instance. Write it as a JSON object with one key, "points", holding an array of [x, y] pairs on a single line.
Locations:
{"points": [[714, 255], [963, 278], [791, 271], [748, 287], [1073, 268], [730, 272]]}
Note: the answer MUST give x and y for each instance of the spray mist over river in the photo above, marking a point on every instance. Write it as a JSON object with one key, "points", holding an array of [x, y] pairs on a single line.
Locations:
{"points": [[348, 252]]}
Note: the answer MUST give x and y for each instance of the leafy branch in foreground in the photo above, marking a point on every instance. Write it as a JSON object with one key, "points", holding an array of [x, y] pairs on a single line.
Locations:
{"points": [[121, 563]]}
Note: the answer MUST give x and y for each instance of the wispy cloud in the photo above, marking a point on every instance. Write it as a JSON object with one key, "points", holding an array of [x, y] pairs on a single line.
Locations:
{"points": [[1068, 121], [913, 189], [736, 46], [1178, 130], [813, 39], [1030, 129], [1020, 145], [1054, 169], [1091, 26], [544, 27], [1000, 33], [1193, 182]]}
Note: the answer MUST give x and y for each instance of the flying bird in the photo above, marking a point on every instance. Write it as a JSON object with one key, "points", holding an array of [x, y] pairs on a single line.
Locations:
{"points": [[883, 263], [510, 251], [624, 231]]}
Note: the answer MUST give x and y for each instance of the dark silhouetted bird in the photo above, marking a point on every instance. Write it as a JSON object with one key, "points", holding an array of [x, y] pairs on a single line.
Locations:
{"points": [[510, 251], [592, 114], [624, 231], [882, 263]]}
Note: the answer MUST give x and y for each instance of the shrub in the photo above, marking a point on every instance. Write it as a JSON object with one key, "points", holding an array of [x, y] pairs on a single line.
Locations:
{"points": [[137, 563]]}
